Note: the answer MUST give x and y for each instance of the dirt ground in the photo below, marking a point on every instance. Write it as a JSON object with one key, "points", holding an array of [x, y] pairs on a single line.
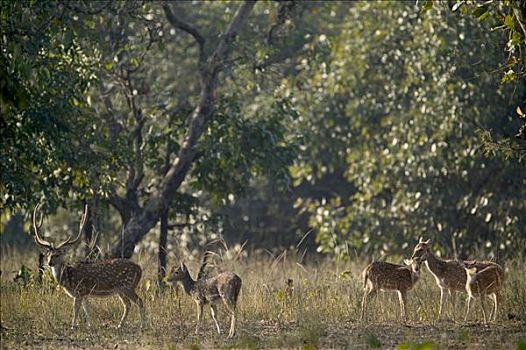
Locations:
{"points": [[267, 334]]}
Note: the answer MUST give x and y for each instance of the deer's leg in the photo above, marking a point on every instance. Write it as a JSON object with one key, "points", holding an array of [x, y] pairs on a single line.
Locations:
{"points": [[402, 298], [364, 303], [496, 301], [367, 295], [85, 308], [483, 305], [443, 298], [132, 296], [199, 315], [232, 321], [213, 311], [453, 295], [468, 303], [230, 302], [232, 331], [76, 306], [127, 303]]}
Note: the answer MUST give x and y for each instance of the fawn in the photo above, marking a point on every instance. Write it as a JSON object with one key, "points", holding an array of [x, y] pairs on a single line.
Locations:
{"points": [[224, 287], [387, 276], [487, 281], [450, 275], [88, 279]]}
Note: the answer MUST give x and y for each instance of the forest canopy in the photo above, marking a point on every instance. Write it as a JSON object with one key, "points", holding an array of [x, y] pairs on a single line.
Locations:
{"points": [[357, 126]]}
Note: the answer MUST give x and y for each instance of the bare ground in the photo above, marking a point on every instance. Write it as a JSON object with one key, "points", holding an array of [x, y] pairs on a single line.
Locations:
{"points": [[273, 334]]}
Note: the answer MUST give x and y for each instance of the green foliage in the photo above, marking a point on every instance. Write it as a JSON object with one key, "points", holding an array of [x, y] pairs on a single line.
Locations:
{"points": [[390, 133], [45, 129], [373, 342], [508, 16], [109, 107], [236, 148]]}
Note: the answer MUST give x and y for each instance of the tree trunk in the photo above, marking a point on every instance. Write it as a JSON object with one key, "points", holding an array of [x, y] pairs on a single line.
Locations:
{"points": [[143, 220], [163, 237], [88, 231]]}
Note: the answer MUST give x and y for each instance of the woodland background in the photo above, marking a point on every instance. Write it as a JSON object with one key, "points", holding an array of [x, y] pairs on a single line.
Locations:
{"points": [[296, 140], [343, 128]]}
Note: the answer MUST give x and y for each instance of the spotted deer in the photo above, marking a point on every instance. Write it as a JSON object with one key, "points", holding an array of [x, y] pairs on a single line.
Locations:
{"points": [[100, 278], [450, 275], [224, 287], [480, 283], [386, 276]]}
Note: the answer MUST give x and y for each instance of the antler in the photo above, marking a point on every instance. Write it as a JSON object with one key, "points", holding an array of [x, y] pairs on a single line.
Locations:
{"points": [[92, 244], [94, 250], [81, 228], [39, 241]]}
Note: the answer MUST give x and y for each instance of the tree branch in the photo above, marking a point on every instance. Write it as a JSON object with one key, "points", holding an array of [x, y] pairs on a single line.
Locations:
{"points": [[114, 127], [119, 204], [203, 111], [139, 225], [194, 32], [221, 52]]}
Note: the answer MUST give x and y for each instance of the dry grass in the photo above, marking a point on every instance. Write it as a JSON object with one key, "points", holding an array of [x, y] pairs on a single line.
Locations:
{"points": [[321, 312]]}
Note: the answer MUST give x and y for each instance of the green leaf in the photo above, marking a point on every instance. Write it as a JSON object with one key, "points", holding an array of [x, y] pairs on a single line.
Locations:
{"points": [[344, 275], [480, 12], [428, 5], [509, 22]]}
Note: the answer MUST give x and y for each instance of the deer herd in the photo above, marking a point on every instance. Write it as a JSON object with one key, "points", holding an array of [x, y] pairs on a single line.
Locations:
{"points": [[104, 278]]}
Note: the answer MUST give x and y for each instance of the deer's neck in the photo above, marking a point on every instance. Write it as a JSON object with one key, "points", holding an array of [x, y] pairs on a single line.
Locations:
{"points": [[188, 284], [58, 272], [433, 263], [415, 275]]}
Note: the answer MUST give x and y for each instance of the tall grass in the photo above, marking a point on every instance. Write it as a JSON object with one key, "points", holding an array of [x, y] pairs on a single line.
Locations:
{"points": [[320, 307]]}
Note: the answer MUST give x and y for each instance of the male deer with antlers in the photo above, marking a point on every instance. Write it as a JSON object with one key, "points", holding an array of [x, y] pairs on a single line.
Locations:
{"points": [[100, 278]]}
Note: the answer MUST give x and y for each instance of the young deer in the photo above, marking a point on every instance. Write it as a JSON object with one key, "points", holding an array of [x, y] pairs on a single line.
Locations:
{"points": [[224, 287], [90, 279], [487, 281], [450, 275], [385, 276]]}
